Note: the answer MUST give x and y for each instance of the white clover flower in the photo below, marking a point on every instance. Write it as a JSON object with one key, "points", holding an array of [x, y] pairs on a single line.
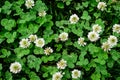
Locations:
{"points": [[74, 19], [57, 76], [116, 28], [81, 41], [62, 64], [112, 40], [97, 28], [32, 38], [93, 36], [29, 3], [48, 50], [15, 67], [106, 46], [63, 36], [42, 13], [24, 43], [101, 6], [76, 74], [40, 42]]}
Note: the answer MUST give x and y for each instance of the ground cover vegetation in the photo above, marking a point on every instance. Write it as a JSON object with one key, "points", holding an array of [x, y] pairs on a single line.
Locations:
{"points": [[59, 40]]}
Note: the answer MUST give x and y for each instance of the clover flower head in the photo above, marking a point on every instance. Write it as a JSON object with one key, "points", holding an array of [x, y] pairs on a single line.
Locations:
{"points": [[74, 19], [48, 50], [15, 67], [112, 40], [76, 73], [97, 28], [116, 28], [24, 43], [62, 64], [106, 46], [101, 6], [81, 41], [63, 36], [57, 76], [93, 36], [40, 42], [29, 3], [32, 38], [42, 13]]}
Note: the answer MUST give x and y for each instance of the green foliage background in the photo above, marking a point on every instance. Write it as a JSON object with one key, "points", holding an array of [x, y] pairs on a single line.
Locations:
{"points": [[18, 22]]}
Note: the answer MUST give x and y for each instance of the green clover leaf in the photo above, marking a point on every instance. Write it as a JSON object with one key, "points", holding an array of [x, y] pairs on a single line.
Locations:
{"points": [[85, 15]]}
